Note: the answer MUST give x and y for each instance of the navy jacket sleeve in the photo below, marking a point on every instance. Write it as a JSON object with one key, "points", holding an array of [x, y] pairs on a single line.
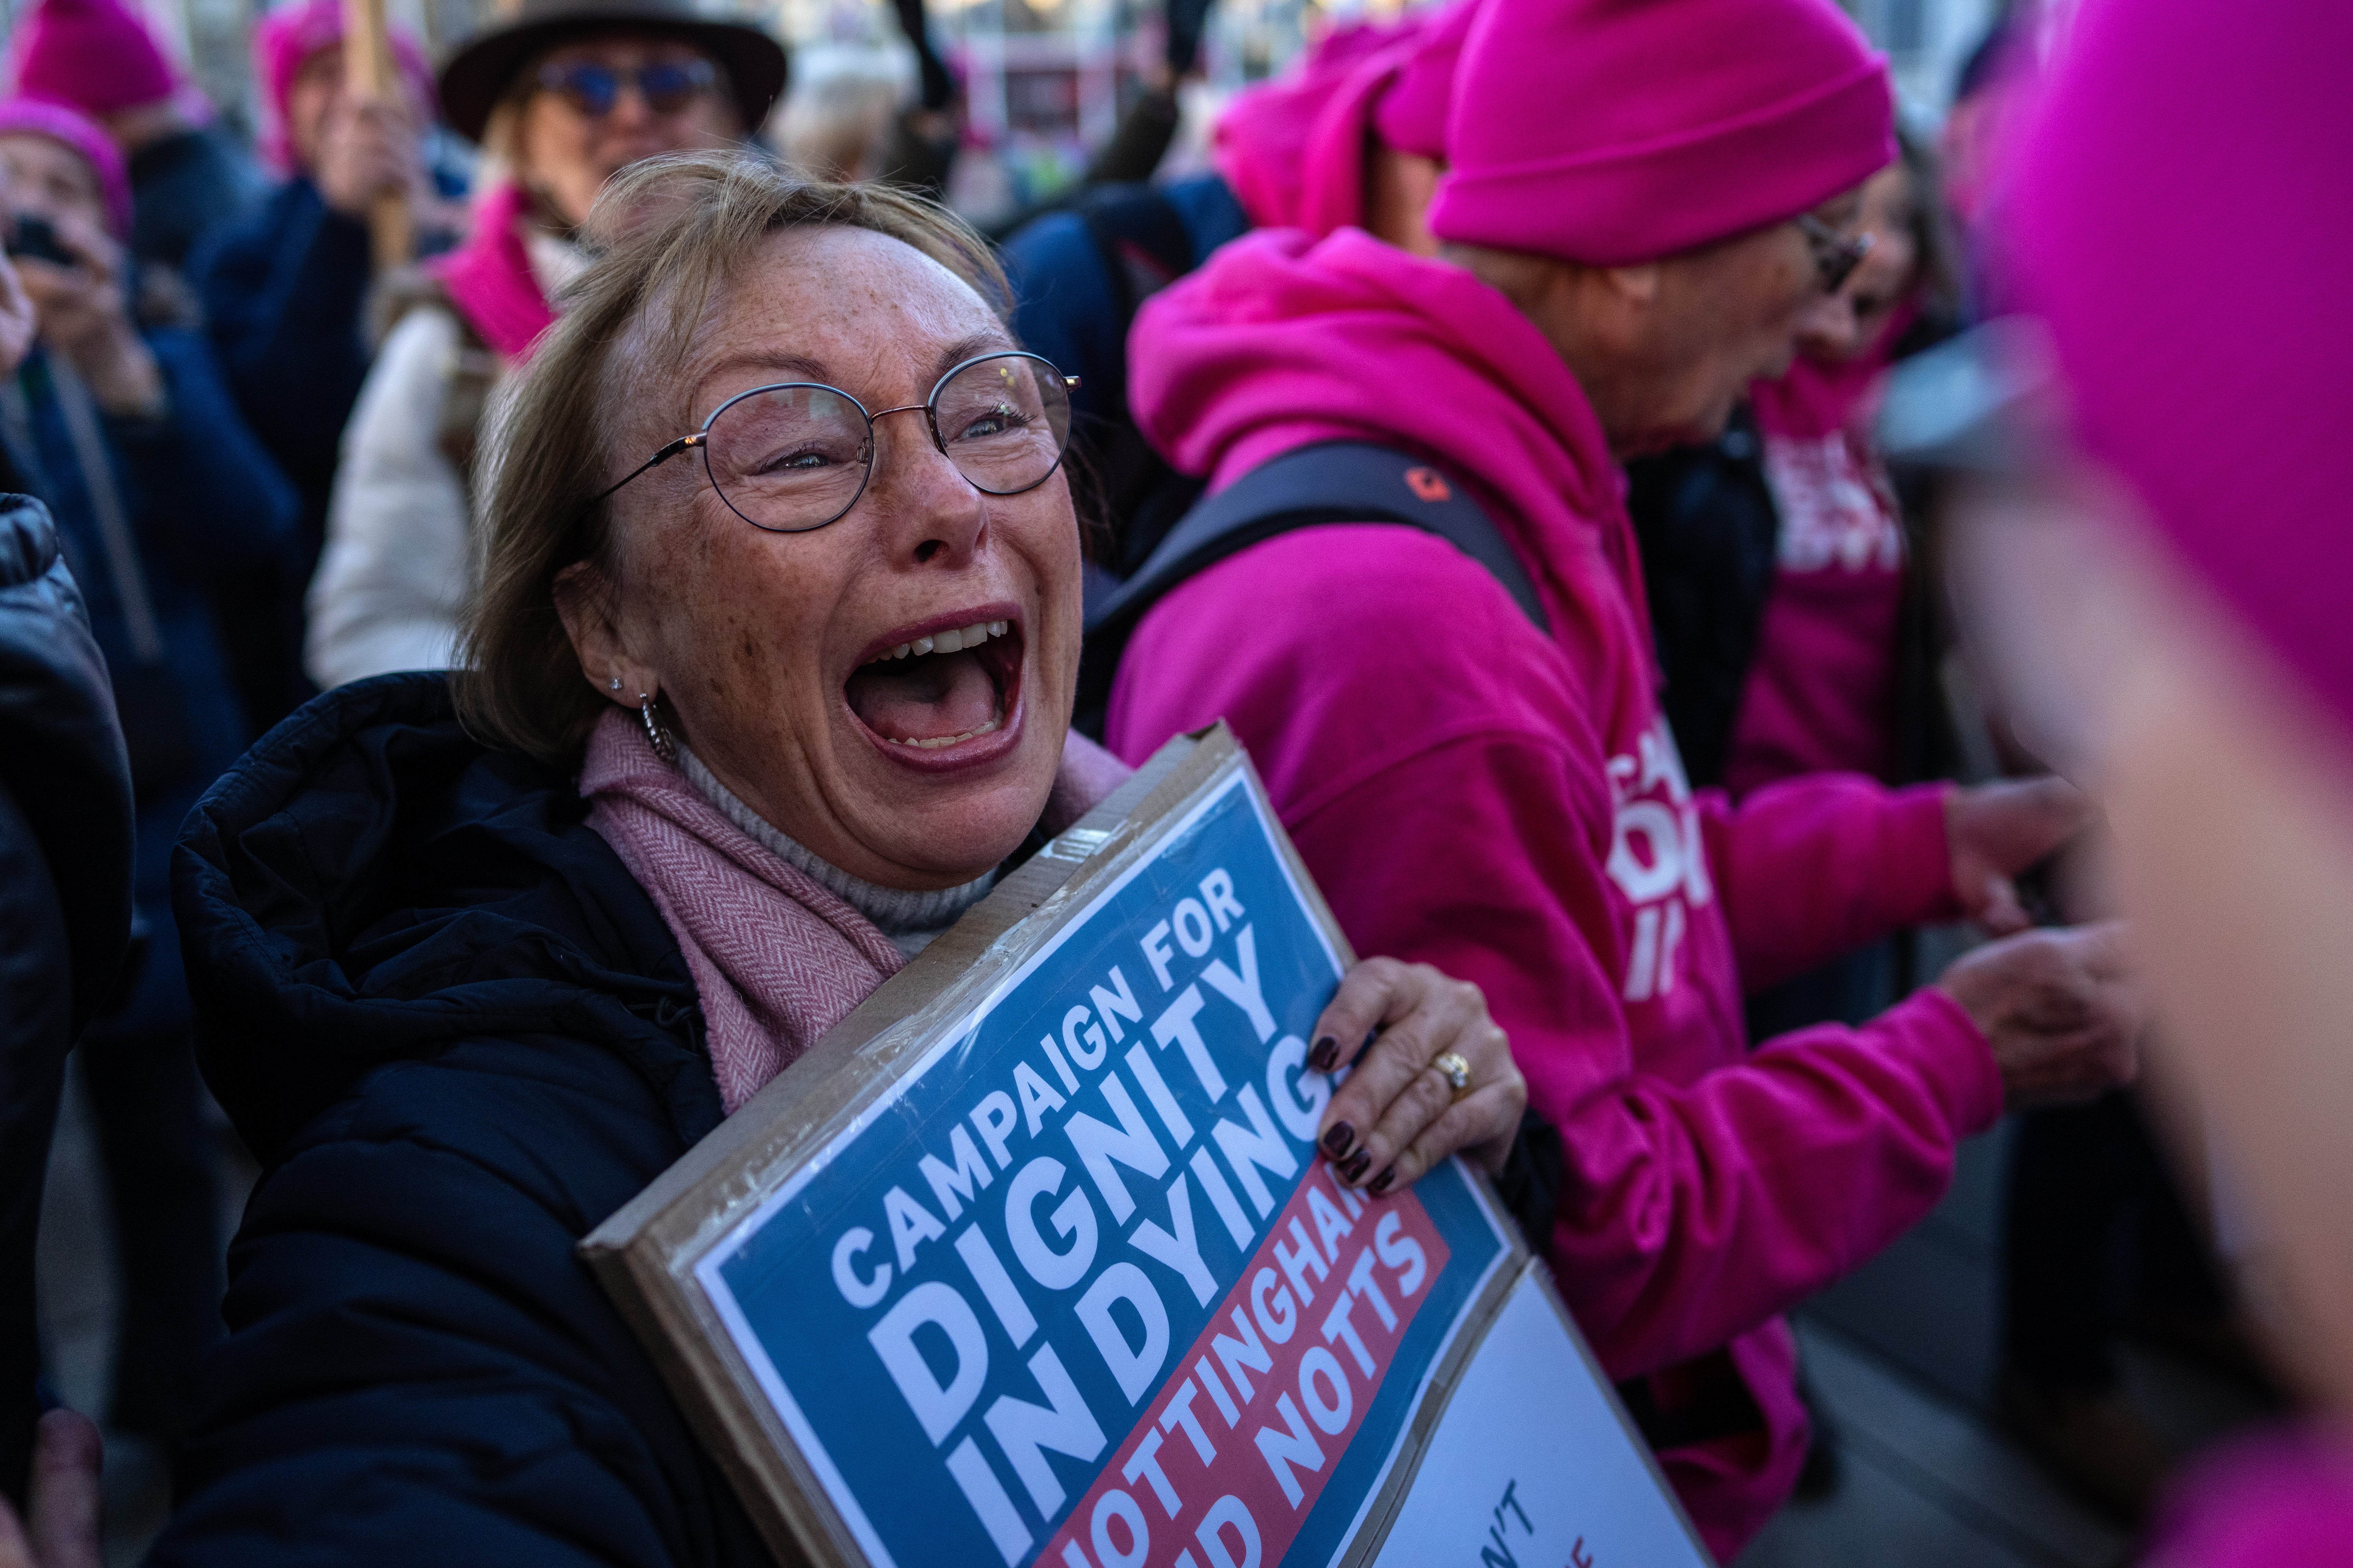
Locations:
{"points": [[284, 294], [204, 492], [418, 1369]]}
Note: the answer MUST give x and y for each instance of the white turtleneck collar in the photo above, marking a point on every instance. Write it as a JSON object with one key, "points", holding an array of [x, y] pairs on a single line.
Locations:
{"points": [[909, 919]]}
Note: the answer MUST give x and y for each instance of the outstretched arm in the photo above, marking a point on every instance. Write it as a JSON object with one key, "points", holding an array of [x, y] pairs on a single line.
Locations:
{"points": [[1693, 1207]]}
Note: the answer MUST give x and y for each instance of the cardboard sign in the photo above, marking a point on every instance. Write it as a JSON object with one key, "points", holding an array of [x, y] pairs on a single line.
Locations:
{"points": [[1033, 1260]]}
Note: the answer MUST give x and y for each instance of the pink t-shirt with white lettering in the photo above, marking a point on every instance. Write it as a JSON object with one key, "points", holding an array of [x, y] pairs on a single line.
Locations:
{"points": [[1821, 691]]}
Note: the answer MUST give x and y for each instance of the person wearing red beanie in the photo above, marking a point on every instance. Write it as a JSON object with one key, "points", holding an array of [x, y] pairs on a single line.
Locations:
{"points": [[1641, 209], [98, 59]]}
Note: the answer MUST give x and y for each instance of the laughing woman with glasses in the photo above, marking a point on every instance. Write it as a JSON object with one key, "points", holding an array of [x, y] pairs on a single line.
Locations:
{"points": [[770, 674], [561, 95]]}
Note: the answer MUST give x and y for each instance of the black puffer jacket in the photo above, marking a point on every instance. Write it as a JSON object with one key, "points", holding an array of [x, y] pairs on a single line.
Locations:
{"points": [[64, 902], [457, 1036]]}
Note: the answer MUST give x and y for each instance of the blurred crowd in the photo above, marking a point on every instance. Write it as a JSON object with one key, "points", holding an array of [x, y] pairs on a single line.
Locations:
{"points": [[1943, 470]]}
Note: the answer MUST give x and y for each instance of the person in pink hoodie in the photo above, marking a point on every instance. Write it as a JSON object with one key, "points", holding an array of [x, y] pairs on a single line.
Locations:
{"points": [[2160, 572], [1822, 694], [1506, 802], [1796, 630]]}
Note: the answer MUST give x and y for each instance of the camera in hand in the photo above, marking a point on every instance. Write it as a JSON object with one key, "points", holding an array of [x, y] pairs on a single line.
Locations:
{"points": [[35, 237]]}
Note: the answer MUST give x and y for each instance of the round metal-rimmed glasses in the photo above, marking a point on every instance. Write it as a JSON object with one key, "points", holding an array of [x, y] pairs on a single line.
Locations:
{"points": [[792, 458]]}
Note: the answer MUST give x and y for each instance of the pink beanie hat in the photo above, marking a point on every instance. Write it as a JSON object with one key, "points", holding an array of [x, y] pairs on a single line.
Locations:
{"points": [[1613, 131], [95, 55], [1332, 163], [1411, 115], [291, 35], [28, 116], [2183, 153], [1262, 139]]}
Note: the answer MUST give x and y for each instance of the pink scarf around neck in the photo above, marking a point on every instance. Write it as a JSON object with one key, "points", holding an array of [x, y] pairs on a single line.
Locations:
{"points": [[489, 280], [776, 959]]}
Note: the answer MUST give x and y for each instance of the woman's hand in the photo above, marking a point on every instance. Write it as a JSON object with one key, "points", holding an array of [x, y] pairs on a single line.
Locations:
{"points": [[2061, 1008], [62, 1528], [1397, 1114], [85, 317]]}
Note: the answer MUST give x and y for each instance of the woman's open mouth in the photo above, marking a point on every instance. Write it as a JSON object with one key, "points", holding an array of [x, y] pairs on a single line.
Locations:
{"points": [[937, 691]]}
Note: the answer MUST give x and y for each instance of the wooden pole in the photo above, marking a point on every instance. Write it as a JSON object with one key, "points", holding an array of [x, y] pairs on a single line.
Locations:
{"points": [[368, 76]]}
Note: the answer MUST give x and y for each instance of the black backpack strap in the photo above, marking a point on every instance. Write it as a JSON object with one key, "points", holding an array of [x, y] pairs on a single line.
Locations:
{"points": [[1330, 482]]}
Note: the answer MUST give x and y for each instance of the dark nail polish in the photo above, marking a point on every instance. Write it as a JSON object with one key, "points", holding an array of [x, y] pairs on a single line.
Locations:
{"points": [[1326, 1052], [1381, 1182], [1337, 1142], [1356, 1167]]}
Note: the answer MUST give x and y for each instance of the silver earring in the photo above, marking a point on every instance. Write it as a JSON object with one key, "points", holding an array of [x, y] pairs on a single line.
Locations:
{"points": [[656, 736], [615, 683]]}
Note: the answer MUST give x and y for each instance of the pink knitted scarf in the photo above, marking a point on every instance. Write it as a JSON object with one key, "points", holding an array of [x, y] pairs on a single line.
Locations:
{"points": [[776, 959], [489, 278]]}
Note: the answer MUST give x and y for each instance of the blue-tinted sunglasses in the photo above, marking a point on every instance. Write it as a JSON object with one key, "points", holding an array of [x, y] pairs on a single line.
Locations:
{"points": [[668, 86]]}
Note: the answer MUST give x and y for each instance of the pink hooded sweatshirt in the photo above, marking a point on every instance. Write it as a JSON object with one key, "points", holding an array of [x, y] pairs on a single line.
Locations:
{"points": [[1509, 806], [1821, 693]]}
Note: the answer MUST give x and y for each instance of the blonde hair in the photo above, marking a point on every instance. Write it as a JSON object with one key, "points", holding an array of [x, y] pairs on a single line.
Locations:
{"points": [[682, 229], [838, 120]]}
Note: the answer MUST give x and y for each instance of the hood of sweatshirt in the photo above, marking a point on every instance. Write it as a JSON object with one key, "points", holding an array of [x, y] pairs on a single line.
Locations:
{"points": [[1281, 340]]}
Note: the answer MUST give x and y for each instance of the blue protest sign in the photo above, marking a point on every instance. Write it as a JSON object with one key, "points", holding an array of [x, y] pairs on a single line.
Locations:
{"points": [[1069, 1283]]}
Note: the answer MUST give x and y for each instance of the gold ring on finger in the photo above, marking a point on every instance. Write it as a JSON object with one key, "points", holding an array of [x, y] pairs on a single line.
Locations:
{"points": [[1452, 1067]]}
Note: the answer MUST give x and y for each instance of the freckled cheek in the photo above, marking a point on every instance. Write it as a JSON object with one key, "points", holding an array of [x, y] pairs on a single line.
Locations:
{"points": [[754, 673], [748, 622], [1047, 541]]}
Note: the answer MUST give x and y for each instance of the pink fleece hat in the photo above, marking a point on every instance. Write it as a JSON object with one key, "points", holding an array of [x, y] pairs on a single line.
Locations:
{"points": [[2178, 170], [94, 54], [1613, 131], [1329, 171], [1411, 115], [1262, 139], [30, 116], [291, 35]]}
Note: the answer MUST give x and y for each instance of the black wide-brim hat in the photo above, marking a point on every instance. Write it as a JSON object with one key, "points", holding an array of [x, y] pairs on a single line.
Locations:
{"points": [[479, 73]]}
